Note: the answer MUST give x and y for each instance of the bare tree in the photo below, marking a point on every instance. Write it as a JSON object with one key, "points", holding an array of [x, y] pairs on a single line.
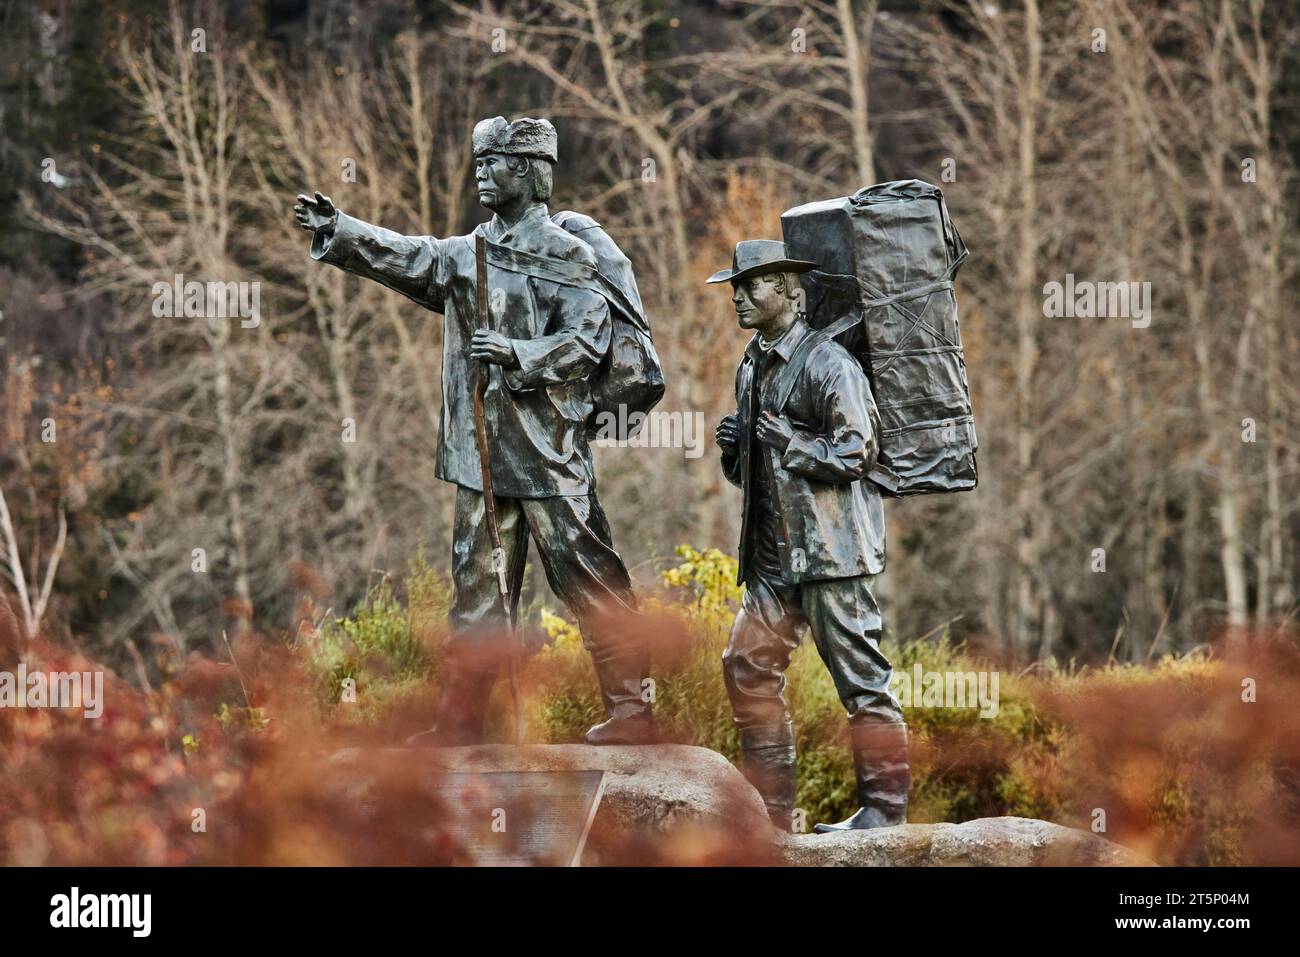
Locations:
{"points": [[1201, 116], [172, 215], [805, 68]]}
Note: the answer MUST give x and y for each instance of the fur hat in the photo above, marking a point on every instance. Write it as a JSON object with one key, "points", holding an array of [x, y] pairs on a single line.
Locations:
{"points": [[524, 137]]}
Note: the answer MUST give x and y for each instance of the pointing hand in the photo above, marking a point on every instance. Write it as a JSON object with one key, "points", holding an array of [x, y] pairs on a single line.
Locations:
{"points": [[316, 214]]}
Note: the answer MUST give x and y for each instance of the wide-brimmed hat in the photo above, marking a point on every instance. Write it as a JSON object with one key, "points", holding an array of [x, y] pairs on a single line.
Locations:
{"points": [[755, 257]]}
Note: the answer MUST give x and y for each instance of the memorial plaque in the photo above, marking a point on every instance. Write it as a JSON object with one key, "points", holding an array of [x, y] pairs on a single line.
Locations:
{"points": [[520, 818]]}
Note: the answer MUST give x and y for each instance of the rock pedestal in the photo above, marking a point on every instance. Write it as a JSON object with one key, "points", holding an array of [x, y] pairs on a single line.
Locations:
{"points": [[986, 842], [665, 804], [672, 805]]}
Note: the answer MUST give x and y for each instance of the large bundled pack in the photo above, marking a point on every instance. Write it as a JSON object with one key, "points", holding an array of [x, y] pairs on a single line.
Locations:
{"points": [[883, 288]]}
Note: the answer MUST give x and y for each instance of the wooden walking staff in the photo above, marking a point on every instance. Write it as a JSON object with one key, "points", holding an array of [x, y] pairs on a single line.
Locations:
{"points": [[489, 499]]}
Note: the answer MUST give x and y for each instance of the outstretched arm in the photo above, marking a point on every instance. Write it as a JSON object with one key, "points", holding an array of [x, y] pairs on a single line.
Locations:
{"points": [[411, 265]]}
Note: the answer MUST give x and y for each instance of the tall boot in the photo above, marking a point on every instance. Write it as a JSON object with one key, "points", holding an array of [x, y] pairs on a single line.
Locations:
{"points": [[767, 759], [883, 778], [462, 707], [629, 718]]}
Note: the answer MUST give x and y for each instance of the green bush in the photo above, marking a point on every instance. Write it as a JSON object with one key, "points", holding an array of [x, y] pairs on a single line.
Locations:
{"points": [[387, 646]]}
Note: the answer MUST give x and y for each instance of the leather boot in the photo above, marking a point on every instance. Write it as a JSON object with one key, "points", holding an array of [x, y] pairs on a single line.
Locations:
{"points": [[629, 718], [767, 759], [883, 778], [462, 709]]}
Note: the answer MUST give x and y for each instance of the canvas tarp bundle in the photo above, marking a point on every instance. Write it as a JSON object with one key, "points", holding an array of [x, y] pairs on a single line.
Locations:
{"points": [[886, 260]]}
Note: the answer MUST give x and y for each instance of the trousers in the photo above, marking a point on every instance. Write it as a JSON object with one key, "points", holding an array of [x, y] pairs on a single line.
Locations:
{"points": [[573, 540], [845, 623]]}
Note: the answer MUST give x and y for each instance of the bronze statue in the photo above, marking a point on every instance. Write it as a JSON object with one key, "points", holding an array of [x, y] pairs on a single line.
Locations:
{"points": [[542, 344], [803, 438]]}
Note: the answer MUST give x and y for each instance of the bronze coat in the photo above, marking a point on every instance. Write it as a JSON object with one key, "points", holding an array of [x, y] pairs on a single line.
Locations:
{"points": [[557, 321], [832, 518]]}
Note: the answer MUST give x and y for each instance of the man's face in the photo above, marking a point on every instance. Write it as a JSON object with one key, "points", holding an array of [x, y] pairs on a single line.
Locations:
{"points": [[498, 184], [759, 300]]}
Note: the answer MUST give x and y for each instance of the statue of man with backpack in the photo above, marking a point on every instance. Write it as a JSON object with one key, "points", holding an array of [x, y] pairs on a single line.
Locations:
{"points": [[804, 437], [564, 337], [853, 387]]}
